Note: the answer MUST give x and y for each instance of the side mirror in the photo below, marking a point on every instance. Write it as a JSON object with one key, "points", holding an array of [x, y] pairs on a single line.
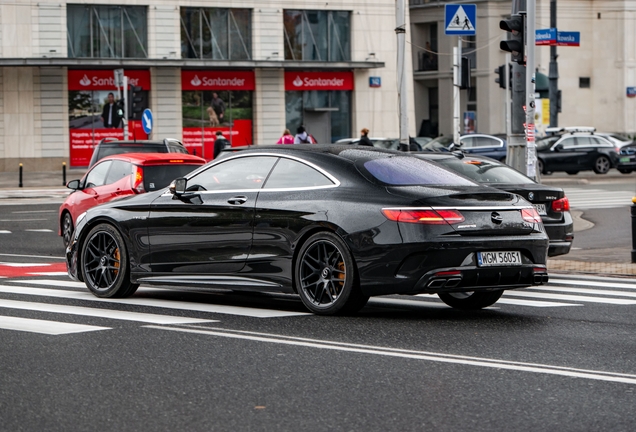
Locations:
{"points": [[73, 184], [178, 186], [558, 147], [452, 147]]}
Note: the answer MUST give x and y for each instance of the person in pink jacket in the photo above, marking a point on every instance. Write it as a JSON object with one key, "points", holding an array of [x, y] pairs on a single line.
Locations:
{"points": [[287, 138]]}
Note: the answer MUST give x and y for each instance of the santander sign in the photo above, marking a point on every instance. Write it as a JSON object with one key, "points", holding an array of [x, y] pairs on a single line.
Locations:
{"points": [[103, 79], [217, 80], [318, 80]]}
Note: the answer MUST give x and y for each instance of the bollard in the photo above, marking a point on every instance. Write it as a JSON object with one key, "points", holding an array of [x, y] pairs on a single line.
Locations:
{"points": [[63, 173], [20, 183], [633, 211]]}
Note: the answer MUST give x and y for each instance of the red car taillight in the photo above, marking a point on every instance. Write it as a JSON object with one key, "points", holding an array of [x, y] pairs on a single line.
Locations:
{"points": [[431, 217], [138, 180], [561, 205], [530, 215]]}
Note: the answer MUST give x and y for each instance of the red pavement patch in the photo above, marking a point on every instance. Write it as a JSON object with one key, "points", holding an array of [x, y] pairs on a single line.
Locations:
{"points": [[30, 269]]}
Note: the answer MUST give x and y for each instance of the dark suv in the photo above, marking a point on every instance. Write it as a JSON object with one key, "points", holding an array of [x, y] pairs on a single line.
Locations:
{"points": [[111, 146]]}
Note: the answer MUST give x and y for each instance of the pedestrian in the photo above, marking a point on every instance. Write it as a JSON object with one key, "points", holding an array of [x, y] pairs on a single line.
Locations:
{"points": [[220, 143], [364, 138], [287, 138], [302, 137], [110, 114], [218, 106]]}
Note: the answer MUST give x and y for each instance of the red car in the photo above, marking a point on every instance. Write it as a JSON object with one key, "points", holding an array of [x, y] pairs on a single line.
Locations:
{"points": [[119, 176]]}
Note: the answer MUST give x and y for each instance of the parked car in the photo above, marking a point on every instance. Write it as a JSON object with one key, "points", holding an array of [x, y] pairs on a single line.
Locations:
{"points": [[111, 146], [485, 145], [577, 150], [384, 143], [120, 176], [333, 223], [551, 203], [617, 139], [627, 159]]}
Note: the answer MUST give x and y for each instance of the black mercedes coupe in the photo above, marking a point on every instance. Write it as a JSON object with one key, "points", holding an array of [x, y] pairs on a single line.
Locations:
{"points": [[334, 224]]}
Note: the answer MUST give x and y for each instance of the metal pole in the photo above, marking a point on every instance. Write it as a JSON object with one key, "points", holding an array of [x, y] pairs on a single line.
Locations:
{"points": [[531, 150], [125, 118], [400, 30], [457, 61], [63, 173], [20, 177], [633, 212], [554, 71], [508, 71]]}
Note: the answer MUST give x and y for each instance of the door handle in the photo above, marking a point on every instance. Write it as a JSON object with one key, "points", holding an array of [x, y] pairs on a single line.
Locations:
{"points": [[237, 200]]}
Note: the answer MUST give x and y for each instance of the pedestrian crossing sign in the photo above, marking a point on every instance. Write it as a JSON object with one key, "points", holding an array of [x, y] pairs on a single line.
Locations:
{"points": [[460, 19]]}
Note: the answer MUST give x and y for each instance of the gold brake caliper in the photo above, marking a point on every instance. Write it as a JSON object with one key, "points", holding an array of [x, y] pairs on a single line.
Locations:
{"points": [[341, 276], [116, 264]]}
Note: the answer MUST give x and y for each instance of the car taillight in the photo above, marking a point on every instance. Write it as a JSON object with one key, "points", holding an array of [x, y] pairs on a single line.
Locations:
{"points": [[431, 217], [138, 180], [530, 215], [561, 205]]}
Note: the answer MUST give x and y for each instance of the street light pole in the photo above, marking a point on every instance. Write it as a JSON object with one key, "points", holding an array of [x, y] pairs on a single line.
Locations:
{"points": [[553, 75], [400, 30], [531, 150]]}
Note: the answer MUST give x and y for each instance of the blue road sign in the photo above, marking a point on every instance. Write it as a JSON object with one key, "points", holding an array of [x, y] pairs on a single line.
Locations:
{"points": [[568, 38], [545, 36], [631, 92], [375, 81], [146, 121], [460, 19]]}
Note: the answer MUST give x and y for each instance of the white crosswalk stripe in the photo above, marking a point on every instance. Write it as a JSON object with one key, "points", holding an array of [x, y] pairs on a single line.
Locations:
{"points": [[598, 198], [562, 291]]}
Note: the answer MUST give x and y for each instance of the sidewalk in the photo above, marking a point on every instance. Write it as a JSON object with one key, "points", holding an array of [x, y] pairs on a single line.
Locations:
{"points": [[49, 185]]}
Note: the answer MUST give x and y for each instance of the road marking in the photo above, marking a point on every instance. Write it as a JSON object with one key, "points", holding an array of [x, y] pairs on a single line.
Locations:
{"points": [[590, 277], [55, 283], [5, 232], [595, 283], [34, 256], [100, 313], [409, 354], [22, 220], [49, 273], [141, 299], [577, 298], [45, 327], [39, 230], [585, 291], [37, 211], [516, 302]]}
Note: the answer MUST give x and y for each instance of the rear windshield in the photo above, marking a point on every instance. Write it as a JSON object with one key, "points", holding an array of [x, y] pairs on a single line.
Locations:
{"points": [[160, 176], [109, 151], [405, 170], [484, 171]]}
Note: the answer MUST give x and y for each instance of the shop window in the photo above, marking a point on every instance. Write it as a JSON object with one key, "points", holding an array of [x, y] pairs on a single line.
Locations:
{"points": [[216, 33], [325, 114], [107, 31], [317, 35]]}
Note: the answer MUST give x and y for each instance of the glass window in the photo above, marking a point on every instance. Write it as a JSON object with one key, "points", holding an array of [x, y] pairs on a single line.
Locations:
{"points": [[317, 35], [402, 171], [246, 173], [118, 170], [216, 33], [484, 171], [293, 174], [107, 31], [159, 176], [97, 175], [585, 141], [296, 103], [467, 142], [569, 142]]}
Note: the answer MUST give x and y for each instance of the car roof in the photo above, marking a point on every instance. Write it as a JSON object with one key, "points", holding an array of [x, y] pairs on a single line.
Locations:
{"points": [[349, 151], [156, 158]]}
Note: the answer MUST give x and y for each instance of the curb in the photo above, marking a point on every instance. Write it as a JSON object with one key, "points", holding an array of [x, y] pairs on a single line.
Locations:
{"points": [[586, 267]]}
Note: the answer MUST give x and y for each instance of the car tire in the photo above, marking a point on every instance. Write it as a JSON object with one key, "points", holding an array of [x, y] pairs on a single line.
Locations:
{"points": [[602, 165], [325, 276], [471, 300], [540, 166], [67, 229], [104, 263], [624, 171], [572, 172]]}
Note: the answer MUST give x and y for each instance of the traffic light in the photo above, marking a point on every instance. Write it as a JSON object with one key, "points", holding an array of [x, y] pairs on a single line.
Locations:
{"points": [[501, 76], [516, 40], [465, 74], [137, 102]]}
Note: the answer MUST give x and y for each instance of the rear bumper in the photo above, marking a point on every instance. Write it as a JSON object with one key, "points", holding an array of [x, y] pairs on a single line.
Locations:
{"points": [[561, 235]]}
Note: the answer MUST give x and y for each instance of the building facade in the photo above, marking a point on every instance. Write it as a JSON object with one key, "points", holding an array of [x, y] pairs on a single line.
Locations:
{"points": [[593, 77], [249, 69]]}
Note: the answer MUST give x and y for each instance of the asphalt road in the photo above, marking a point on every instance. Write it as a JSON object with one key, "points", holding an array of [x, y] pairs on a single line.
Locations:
{"points": [[562, 358]]}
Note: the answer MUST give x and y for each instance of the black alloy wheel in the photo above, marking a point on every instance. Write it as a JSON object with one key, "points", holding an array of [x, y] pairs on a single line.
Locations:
{"points": [[67, 229], [471, 300], [540, 166], [325, 276], [602, 165], [105, 263]]}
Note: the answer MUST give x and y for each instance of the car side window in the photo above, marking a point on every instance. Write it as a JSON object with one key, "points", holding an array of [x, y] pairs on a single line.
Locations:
{"points": [[293, 174], [97, 176], [243, 173], [172, 148], [584, 141], [118, 170], [467, 142], [569, 142]]}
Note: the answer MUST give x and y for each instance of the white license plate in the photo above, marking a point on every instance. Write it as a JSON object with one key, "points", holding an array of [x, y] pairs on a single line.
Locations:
{"points": [[540, 208], [486, 259], [625, 159]]}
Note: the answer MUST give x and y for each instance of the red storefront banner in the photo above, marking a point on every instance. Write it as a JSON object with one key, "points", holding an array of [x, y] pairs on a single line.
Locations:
{"points": [[201, 141], [217, 80], [83, 141], [299, 81], [104, 79]]}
